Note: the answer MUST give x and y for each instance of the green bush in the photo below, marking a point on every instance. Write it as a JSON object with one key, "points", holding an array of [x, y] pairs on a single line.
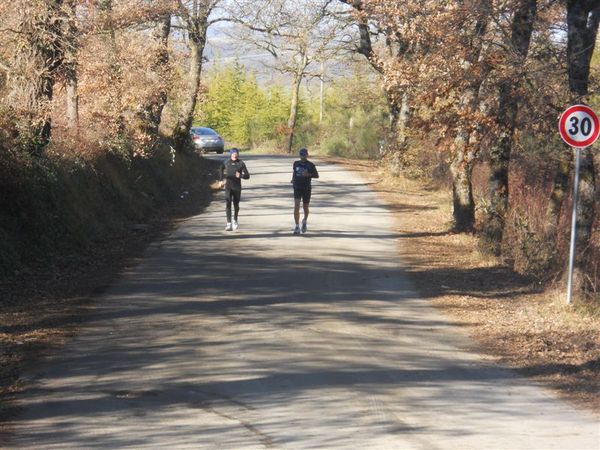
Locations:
{"points": [[335, 146], [249, 115], [246, 114], [355, 119]]}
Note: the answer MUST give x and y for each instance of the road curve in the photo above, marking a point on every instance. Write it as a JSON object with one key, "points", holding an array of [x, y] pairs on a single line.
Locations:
{"points": [[261, 339]]}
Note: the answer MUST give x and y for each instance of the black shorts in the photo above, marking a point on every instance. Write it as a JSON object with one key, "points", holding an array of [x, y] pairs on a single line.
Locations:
{"points": [[302, 193]]}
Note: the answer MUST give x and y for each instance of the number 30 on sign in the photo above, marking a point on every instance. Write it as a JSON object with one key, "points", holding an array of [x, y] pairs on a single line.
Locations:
{"points": [[579, 126]]}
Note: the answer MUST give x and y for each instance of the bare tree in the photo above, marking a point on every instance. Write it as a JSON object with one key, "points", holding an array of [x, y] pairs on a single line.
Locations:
{"points": [[298, 35], [396, 47], [194, 20]]}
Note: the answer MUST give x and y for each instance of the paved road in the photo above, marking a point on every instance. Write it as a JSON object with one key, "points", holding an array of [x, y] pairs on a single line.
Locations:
{"points": [[260, 339]]}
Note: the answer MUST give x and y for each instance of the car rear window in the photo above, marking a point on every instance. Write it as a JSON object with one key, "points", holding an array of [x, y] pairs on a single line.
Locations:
{"points": [[204, 131]]}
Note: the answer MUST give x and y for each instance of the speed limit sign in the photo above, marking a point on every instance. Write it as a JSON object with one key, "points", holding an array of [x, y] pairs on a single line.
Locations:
{"points": [[579, 126]]}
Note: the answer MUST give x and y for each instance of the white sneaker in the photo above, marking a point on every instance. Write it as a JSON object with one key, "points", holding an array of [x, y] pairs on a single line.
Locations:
{"points": [[235, 225], [297, 229], [304, 226], [228, 227]]}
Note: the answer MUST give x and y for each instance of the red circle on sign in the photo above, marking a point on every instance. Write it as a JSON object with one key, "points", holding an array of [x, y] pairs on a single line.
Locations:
{"points": [[562, 126]]}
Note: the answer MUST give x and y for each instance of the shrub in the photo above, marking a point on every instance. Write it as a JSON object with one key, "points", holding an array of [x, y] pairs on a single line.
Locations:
{"points": [[531, 253], [55, 205]]}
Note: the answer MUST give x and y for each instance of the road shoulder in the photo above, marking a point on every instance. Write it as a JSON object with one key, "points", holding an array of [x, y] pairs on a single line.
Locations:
{"points": [[511, 319]]}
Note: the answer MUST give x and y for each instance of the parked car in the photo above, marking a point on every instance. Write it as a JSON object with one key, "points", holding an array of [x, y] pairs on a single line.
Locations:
{"points": [[207, 140]]}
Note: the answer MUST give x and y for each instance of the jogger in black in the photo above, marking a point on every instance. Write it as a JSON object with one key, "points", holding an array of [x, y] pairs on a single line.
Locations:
{"points": [[232, 172], [303, 172]]}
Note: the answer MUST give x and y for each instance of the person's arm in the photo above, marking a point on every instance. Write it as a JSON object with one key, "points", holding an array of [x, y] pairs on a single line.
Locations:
{"points": [[245, 173], [222, 176], [315, 172], [293, 173]]}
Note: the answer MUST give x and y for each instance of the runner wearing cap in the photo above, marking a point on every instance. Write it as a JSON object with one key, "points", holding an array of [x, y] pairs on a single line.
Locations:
{"points": [[232, 172], [303, 172]]}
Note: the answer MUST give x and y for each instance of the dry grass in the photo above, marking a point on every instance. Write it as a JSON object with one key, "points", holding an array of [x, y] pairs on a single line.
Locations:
{"points": [[512, 318]]}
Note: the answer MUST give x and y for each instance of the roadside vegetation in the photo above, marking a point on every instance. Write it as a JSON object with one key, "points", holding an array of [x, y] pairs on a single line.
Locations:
{"points": [[251, 116], [97, 99]]}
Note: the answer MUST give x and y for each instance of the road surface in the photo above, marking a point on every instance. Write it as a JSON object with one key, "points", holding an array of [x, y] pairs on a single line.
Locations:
{"points": [[260, 339]]}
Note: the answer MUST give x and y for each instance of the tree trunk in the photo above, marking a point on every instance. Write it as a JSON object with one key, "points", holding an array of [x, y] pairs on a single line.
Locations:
{"points": [[72, 103], [197, 26], [499, 166], [508, 108], [151, 112], [403, 120], [465, 152], [397, 141], [71, 71], [582, 23], [291, 125], [583, 20], [585, 209], [461, 169]]}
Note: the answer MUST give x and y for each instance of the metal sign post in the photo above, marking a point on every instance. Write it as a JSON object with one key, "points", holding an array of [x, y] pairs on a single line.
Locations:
{"points": [[579, 127], [573, 227]]}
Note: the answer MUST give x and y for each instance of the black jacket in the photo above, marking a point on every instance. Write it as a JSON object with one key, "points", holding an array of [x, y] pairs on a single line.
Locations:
{"points": [[299, 168], [228, 171]]}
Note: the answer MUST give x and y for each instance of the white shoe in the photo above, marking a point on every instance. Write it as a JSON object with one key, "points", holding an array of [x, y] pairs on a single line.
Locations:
{"points": [[228, 227], [235, 225], [304, 226], [297, 229]]}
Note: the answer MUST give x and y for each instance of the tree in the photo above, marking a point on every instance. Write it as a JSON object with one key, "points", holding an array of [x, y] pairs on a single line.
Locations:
{"points": [[123, 71], [509, 90], [232, 103], [298, 35], [38, 58], [70, 66], [194, 20], [464, 149], [356, 118], [435, 57], [370, 22], [240, 109], [583, 19], [151, 111]]}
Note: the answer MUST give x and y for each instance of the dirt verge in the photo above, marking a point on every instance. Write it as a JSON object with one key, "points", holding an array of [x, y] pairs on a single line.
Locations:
{"points": [[512, 318]]}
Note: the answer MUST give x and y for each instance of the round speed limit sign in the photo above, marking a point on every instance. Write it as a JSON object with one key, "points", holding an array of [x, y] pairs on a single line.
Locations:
{"points": [[579, 126]]}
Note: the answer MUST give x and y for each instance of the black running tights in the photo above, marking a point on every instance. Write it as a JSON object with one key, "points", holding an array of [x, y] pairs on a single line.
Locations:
{"points": [[232, 196]]}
